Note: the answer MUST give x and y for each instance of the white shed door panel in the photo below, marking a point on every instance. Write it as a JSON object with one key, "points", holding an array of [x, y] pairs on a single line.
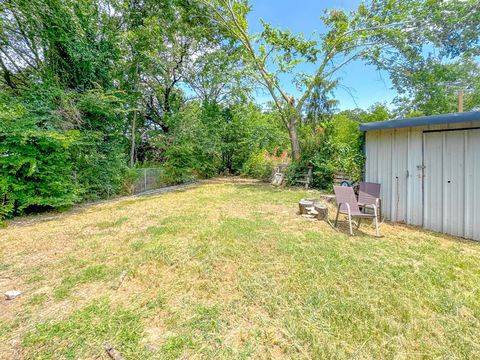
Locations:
{"points": [[454, 183], [399, 175], [433, 181], [452, 172]]}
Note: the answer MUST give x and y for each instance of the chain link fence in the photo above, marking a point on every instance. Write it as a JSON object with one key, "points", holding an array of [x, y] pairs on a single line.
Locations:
{"points": [[147, 179]]}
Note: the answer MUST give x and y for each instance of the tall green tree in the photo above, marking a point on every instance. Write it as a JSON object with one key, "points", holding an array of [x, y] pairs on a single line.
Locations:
{"points": [[431, 53], [432, 87], [274, 53], [216, 77], [58, 70], [69, 42], [162, 42]]}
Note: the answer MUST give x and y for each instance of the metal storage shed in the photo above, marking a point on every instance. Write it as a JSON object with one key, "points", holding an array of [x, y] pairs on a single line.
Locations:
{"points": [[429, 168]]}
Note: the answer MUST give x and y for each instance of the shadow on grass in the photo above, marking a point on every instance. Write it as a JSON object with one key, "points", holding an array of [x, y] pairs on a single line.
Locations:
{"points": [[386, 227]]}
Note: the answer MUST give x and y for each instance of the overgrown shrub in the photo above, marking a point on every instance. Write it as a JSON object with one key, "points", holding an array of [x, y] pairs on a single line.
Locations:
{"points": [[251, 132], [317, 153], [192, 151], [346, 141], [260, 165], [206, 139], [334, 145], [58, 148], [99, 165], [35, 164]]}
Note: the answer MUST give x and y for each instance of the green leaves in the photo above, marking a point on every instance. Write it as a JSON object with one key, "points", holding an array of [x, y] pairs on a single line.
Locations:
{"points": [[408, 31], [35, 170], [276, 52], [291, 45], [80, 80], [431, 87], [57, 148]]}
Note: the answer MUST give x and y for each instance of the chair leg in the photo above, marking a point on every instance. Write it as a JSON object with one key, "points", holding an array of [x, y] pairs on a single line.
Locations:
{"points": [[350, 224], [376, 223], [358, 224], [336, 218], [380, 210]]}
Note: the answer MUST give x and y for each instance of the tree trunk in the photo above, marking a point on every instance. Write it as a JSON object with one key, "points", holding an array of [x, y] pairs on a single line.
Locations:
{"points": [[134, 122], [6, 74], [294, 141], [132, 148]]}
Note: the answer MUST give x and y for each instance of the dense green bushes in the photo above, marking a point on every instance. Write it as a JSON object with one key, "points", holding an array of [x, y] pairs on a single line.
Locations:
{"points": [[317, 153], [207, 140], [192, 150], [35, 166], [35, 170], [256, 132], [63, 108], [58, 147], [261, 164], [45, 162], [334, 145], [99, 166], [84, 88]]}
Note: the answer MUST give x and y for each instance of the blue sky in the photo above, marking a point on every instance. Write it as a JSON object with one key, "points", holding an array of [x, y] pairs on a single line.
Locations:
{"points": [[361, 85]]}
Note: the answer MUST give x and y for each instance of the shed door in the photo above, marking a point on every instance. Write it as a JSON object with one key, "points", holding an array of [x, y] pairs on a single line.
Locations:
{"points": [[451, 178]]}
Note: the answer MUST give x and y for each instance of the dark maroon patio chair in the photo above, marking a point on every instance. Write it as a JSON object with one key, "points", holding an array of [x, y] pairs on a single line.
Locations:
{"points": [[348, 205], [368, 195]]}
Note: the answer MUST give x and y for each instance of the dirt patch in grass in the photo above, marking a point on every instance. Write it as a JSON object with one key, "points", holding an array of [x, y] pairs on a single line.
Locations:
{"points": [[231, 271]]}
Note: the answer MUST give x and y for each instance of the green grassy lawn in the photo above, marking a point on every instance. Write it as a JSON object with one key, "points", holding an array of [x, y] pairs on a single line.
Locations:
{"points": [[228, 270]]}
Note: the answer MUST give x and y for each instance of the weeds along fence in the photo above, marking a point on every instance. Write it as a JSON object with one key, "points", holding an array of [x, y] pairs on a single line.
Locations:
{"points": [[147, 179]]}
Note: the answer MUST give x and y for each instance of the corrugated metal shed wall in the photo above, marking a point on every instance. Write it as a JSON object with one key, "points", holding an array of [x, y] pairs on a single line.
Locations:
{"points": [[472, 188], [395, 160]]}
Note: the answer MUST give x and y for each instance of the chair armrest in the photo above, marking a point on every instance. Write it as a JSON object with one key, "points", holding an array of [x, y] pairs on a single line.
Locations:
{"points": [[348, 207], [377, 203]]}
